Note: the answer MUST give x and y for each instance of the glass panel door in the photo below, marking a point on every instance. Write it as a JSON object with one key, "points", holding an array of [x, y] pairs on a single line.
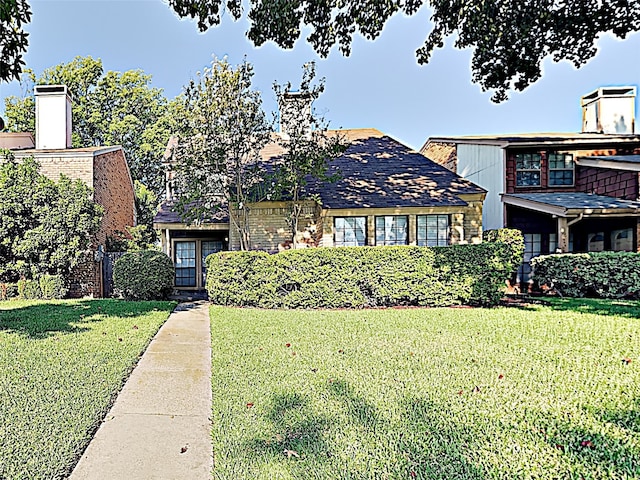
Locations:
{"points": [[208, 247], [185, 262]]}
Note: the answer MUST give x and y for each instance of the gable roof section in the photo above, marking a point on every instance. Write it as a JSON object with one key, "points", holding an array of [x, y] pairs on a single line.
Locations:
{"points": [[377, 171]]}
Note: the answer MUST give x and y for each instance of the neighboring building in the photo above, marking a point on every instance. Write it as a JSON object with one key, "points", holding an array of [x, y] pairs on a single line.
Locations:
{"points": [[104, 169], [567, 192], [387, 194]]}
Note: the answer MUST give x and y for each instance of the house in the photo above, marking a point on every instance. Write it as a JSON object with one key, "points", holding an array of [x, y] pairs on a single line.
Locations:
{"points": [[567, 192], [386, 194], [104, 169]]}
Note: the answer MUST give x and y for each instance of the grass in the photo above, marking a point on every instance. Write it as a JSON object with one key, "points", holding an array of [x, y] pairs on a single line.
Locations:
{"points": [[61, 365], [537, 392]]}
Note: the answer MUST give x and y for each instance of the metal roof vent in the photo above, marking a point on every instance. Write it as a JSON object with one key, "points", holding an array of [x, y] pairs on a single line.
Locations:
{"points": [[53, 117], [609, 110]]}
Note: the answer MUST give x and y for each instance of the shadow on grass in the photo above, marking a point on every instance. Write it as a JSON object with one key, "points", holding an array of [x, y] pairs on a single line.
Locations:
{"points": [[435, 445], [42, 319], [295, 434], [594, 306], [589, 451]]}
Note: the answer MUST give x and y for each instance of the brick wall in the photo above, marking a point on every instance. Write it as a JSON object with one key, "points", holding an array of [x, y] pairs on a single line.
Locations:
{"points": [[86, 278], [114, 191], [269, 228], [79, 167]]}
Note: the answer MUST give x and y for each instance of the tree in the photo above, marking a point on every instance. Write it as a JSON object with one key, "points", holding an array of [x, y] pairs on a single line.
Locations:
{"points": [[112, 108], [14, 14], [307, 146], [45, 226], [221, 130], [509, 38]]}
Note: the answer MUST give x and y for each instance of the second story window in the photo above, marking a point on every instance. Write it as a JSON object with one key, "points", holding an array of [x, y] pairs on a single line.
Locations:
{"points": [[528, 169], [561, 168]]}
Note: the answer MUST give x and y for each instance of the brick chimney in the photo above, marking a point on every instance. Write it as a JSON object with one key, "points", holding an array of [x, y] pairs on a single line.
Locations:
{"points": [[53, 117], [609, 110], [295, 112]]}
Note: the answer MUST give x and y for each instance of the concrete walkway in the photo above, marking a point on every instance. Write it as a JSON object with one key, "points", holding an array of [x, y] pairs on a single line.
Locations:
{"points": [[159, 426]]}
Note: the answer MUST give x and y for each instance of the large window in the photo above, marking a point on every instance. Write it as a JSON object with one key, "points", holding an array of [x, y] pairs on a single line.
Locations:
{"points": [[433, 230], [391, 230], [185, 263], [350, 231], [622, 240], [561, 168], [528, 169], [532, 248]]}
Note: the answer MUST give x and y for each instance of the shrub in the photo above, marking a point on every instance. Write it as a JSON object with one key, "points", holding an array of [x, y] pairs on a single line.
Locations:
{"points": [[8, 291], [143, 275], [601, 274], [52, 287], [512, 237], [29, 289], [352, 277]]}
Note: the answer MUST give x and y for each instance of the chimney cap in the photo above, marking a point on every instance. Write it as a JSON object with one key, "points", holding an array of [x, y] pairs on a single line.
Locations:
{"points": [[613, 91], [51, 90]]}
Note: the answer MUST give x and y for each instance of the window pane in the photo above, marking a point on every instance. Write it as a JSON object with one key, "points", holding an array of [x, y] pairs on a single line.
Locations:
{"points": [[185, 263], [433, 230], [391, 230], [350, 231], [528, 179]]}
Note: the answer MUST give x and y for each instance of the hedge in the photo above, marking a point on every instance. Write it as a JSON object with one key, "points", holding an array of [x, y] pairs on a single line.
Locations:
{"points": [[601, 274], [143, 275], [44, 287], [354, 277]]}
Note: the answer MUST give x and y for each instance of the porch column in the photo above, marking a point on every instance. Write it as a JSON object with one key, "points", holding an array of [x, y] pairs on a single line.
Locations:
{"points": [[563, 235]]}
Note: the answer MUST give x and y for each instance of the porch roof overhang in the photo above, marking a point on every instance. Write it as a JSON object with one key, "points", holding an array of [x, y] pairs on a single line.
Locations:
{"points": [[615, 162], [573, 204]]}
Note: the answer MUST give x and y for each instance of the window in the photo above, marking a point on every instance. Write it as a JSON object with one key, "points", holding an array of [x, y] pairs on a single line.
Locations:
{"points": [[185, 264], [622, 240], [528, 169], [350, 231], [595, 242], [433, 230], [532, 248], [391, 230], [561, 167]]}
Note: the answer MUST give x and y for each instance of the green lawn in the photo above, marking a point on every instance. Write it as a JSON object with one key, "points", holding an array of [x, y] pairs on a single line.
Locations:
{"points": [[538, 392], [61, 365]]}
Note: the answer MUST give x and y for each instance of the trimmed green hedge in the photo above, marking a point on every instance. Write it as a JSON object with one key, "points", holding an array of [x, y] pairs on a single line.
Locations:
{"points": [[354, 277], [601, 274], [143, 275], [512, 237]]}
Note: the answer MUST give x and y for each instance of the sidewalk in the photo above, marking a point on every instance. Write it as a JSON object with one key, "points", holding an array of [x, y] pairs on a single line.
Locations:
{"points": [[159, 427]]}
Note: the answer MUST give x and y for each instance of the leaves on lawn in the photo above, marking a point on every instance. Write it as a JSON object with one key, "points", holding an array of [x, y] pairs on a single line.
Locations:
{"points": [[291, 453], [249, 404], [626, 360], [184, 449]]}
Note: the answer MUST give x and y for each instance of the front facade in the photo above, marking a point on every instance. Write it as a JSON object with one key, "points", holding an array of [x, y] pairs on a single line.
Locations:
{"points": [[103, 169], [386, 194], [566, 192]]}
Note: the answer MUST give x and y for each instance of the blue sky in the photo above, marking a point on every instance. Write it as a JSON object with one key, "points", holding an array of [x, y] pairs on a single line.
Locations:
{"points": [[380, 85]]}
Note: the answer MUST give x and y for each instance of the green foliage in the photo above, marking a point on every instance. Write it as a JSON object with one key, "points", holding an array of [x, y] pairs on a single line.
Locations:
{"points": [[445, 393], [222, 129], [511, 237], [45, 226], [509, 39], [355, 277], [52, 287], [14, 14], [600, 274], [61, 365], [307, 148], [143, 275], [112, 108], [29, 289], [8, 291]]}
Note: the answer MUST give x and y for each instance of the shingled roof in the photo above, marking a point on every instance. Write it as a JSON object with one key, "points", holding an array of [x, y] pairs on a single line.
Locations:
{"points": [[377, 171]]}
